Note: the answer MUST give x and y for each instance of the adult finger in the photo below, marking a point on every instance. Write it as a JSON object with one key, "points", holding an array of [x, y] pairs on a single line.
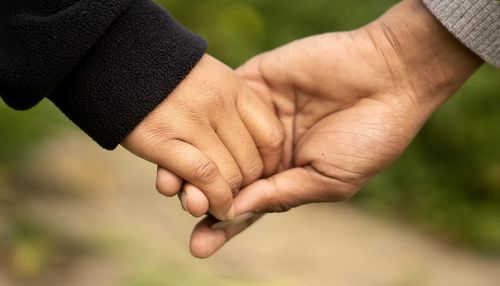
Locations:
{"points": [[205, 240], [278, 193], [289, 189]]}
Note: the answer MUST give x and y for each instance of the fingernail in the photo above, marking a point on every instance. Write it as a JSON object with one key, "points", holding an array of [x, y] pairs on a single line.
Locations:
{"points": [[237, 220], [184, 201], [230, 213]]}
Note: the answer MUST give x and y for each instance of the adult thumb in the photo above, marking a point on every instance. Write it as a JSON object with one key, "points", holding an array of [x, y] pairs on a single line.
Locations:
{"points": [[289, 189]]}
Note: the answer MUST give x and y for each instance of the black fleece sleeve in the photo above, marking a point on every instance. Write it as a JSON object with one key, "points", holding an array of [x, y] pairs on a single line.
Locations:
{"points": [[105, 63]]}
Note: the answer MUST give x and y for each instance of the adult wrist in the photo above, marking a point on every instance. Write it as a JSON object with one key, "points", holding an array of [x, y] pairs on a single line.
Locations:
{"points": [[436, 63]]}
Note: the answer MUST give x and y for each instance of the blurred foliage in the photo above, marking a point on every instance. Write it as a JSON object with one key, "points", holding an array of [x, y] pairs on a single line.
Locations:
{"points": [[29, 249], [20, 131], [447, 183], [238, 29]]}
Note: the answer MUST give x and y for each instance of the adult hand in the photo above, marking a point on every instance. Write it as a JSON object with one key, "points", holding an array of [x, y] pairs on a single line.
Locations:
{"points": [[350, 104], [206, 133]]}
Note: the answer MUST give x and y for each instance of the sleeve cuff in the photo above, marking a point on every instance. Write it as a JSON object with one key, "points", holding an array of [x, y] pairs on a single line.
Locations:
{"points": [[476, 23], [137, 63]]}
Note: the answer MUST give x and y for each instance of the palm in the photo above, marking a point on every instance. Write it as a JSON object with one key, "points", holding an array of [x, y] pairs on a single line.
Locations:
{"points": [[348, 111], [350, 104], [341, 121]]}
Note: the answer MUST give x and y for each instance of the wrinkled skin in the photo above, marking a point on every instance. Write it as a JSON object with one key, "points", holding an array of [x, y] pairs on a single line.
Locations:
{"points": [[350, 104]]}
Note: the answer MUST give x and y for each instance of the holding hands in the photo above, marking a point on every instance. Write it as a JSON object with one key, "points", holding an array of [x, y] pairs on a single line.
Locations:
{"points": [[215, 139], [312, 121], [350, 103]]}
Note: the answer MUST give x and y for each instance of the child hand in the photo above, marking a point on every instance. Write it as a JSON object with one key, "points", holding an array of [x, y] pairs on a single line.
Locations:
{"points": [[211, 132]]}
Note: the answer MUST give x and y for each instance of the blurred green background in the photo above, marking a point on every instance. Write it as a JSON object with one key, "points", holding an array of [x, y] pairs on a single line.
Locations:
{"points": [[447, 184]]}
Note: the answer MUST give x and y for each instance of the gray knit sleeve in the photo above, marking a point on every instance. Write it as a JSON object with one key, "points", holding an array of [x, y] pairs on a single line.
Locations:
{"points": [[476, 23]]}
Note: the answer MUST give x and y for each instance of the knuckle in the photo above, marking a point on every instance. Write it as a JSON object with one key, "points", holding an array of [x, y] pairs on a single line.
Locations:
{"points": [[280, 207], [275, 205], [235, 182], [338, 184], [254, 170], [275, 138], [206, 171], [158, 131], [276, 199]]}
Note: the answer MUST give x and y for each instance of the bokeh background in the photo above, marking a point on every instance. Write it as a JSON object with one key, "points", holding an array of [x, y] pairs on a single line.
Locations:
{"points": [[72, 214]]}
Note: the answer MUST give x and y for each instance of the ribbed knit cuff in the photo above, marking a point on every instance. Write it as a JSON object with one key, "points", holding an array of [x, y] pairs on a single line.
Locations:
{"points": [[476, 23]]}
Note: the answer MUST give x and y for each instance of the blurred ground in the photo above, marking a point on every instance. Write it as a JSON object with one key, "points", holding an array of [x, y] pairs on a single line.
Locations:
{"points": [[109, 227]]}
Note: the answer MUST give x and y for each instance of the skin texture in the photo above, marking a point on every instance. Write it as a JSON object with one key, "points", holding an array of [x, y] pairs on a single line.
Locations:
{"points": [[350, 103], [204, 134]]}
